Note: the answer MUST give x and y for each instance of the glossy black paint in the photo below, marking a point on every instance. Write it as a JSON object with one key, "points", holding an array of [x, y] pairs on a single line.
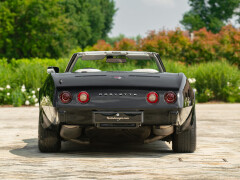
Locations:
{"points": [[47, 103], [128, 79], [47, 93]]}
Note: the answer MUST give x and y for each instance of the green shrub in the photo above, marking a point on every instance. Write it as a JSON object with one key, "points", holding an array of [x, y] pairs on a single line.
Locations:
{"points": [[217, 81], [21, 79], [17, 97]]}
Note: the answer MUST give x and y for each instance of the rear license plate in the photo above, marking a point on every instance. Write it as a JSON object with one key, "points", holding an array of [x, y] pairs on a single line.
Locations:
{"points": [[117, 117]]}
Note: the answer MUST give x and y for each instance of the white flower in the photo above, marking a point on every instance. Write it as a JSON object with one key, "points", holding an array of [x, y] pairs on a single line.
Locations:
{"points": [[192, 80], [29, 97], [33, 92], [36, 104], [8, 87], [23, 88], [36, 100], [34, 96], [195, 90], [38, 89], [27, 102], [239, 87], [228, 84], [1, 89], [8, 94]]}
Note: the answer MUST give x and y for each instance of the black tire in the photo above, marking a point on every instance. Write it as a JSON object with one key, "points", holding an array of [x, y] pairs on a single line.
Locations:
{"points": [[186, 141], [48, 139]]}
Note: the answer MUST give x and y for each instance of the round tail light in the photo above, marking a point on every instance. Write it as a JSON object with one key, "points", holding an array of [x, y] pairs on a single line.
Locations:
{"points": [[170, 97], [65, 97], [83, 97], [152, 97]]}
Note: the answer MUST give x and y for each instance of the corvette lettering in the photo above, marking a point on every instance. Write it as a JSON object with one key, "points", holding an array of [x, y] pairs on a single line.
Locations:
{"points": [[117, 94]]}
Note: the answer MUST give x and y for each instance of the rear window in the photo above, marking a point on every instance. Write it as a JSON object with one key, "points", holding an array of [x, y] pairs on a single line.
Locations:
{"points": [[115, 63]]}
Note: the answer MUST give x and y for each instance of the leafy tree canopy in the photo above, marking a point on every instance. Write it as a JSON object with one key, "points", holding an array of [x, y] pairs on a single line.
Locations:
{"points": [[33, 28], [212, 14]]}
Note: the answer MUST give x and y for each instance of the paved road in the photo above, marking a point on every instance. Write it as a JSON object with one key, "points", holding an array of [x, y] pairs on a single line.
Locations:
{"points": [[217, 155]]}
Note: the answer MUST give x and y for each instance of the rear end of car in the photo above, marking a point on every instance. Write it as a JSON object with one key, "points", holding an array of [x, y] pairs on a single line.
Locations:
{"points": [[117, 107]]}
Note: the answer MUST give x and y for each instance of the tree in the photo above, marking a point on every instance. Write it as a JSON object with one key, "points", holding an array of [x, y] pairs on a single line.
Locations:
{"points": [[33, 28], [108, 9], [212, 14]]}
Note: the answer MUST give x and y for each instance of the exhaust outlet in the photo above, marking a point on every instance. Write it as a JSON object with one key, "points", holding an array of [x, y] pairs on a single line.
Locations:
{"points": [[160, 132], [70, 132], [163, 130]]}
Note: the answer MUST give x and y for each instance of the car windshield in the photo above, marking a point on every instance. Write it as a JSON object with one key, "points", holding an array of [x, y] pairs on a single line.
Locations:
{"points": [[115, 63]]}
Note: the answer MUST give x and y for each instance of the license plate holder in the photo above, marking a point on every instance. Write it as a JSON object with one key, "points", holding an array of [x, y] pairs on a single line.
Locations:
{"points": [[117, 117]]}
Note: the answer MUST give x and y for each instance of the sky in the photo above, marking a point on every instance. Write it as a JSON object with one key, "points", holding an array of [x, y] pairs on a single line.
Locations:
{"points": [[137, 17]]}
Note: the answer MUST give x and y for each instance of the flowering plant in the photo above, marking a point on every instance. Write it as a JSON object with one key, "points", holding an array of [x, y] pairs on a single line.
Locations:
{"points": [[18, 96]]}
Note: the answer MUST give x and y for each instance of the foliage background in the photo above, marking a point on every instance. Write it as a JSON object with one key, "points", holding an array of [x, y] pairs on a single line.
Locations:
{"points": [[36, 34], [211, 14], [33, 28], [177, 45]]}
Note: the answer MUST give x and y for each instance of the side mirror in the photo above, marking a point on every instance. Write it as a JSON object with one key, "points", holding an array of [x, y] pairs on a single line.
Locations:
{"points": [[52, 69]]}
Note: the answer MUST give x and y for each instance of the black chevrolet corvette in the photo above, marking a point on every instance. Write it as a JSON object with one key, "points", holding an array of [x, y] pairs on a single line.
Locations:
{"points": [[110, 96]]}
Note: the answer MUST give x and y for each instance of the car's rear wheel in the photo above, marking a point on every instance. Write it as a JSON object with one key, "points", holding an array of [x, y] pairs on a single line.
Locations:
{"points": [[48, 139], [186, 141]]}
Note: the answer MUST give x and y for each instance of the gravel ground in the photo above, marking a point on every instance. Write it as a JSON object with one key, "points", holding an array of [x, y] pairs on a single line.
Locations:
{"points": [[217, 155]]}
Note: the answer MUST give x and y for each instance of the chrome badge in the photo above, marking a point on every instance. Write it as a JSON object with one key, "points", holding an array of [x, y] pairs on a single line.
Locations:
{"points": [[117, 77]]}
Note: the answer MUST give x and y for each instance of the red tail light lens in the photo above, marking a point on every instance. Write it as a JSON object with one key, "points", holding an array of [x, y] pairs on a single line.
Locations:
{"points": [[83, 97], [65, 97], [152, 97], [170, 97]]}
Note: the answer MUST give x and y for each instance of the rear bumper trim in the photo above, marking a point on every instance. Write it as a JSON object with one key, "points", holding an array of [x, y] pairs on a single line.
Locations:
{"points": [[117, 125]]}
